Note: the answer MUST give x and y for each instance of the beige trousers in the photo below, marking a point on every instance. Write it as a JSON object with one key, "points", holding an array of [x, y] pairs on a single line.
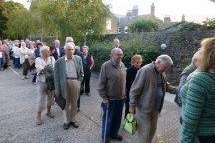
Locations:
{"points": [[147, 125], [46, 97], [70, 111]]}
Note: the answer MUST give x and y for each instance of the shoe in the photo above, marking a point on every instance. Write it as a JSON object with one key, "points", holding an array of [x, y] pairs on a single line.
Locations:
{"points": [[78, 110], [117, 138], [74, 124], [50, 115], [66, 126], [107, 141]]}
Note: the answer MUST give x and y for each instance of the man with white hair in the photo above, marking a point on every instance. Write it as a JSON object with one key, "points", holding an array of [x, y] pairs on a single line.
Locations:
{"points": [[68, 76], [58, 51], [112, 90], [147, 96]]}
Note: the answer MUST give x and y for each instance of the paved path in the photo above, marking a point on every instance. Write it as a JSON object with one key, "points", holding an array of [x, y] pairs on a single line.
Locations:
{"points": [[18, 104]]}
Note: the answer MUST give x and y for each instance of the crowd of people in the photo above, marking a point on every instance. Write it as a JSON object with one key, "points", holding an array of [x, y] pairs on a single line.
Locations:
{"points": [[63, 74]]}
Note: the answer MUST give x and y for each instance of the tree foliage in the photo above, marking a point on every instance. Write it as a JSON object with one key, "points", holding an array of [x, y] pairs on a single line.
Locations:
{"points": [[210, 23], [6, 9], [70, 18], [143, 26]]}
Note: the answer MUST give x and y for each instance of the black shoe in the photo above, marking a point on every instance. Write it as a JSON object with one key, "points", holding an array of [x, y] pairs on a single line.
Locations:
{"points": [[107, 141], [66, 126], [117, 138], [78, 110], [75, 125]]}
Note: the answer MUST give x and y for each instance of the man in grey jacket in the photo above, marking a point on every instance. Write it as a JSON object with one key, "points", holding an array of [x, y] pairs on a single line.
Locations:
{"points": [[147, 94], [112, 90], [68, 76]]}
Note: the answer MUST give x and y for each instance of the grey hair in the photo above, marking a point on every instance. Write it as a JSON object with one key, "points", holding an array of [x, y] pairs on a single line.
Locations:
{"points": [[70, 44], [165, 59], [115, 50], [85, 46], [69, 39], [57, 40], [43, 48], [194, 58], [116, 40]]}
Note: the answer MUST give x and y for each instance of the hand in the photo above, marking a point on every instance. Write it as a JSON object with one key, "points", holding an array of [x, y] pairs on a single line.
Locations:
{"points": [[132, 110], [105, 101]]}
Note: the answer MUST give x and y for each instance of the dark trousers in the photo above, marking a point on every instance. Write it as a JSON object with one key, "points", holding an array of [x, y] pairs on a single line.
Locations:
{"points": [[207, 139], [17, 63], [85, 85], [127, 105], [1, 63], [26, 67], [79, 101], [34, 79], [111, 120]]}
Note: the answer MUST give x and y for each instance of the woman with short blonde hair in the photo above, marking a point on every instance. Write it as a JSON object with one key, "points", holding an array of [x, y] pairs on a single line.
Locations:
{"points": [[198, 106], [136, 63]]}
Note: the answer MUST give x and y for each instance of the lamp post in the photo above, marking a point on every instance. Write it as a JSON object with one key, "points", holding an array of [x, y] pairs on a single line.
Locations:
{"points": [[163, 47]]}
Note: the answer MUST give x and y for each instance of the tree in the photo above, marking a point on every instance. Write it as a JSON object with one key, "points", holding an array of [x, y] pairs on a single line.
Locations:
{"points": [[209, 23], [13, 20], [20, 24], [143, 26], [70, 17]]}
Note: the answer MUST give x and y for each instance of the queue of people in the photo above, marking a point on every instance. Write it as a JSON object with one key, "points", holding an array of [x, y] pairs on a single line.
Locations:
{"points": [[63, 74]]}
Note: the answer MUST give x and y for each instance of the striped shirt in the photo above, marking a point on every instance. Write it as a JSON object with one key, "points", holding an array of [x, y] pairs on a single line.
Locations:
{"points": [[198, 107]]}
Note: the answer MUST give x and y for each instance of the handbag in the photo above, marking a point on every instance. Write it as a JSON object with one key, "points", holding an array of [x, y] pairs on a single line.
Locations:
{"points": [[130, 124]]}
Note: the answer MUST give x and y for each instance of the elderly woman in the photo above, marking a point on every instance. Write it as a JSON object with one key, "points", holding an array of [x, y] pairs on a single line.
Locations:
{"points": [[136, 62], [45, 95], [198, 104]]}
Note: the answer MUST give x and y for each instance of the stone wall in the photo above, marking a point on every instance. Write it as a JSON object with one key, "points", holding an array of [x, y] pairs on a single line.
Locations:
{"points": [[180, 46]]}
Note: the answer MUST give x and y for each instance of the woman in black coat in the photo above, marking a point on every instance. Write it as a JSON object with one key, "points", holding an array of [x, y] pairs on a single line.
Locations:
{"points": [[136, 63]]}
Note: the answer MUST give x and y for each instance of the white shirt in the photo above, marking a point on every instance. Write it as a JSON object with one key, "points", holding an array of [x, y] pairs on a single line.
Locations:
{"points": [[1, 54], [58, 51], [40, 64], [16, 52], [25, 52]]}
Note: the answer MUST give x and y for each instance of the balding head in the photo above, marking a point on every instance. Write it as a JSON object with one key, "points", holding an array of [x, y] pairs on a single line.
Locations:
{"points": [[56, 43], [116, 42], [117, 55], [70, 49]]}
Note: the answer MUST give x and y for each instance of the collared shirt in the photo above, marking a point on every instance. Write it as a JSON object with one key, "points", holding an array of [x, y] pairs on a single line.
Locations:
{"points": [[58, 51], [71, 71]]}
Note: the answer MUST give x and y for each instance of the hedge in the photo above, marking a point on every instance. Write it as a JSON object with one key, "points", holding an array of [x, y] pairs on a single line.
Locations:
{"points": [[135, 45]]}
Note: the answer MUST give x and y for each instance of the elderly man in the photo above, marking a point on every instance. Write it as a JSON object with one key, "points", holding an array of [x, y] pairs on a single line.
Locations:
{"points": [[58, 51], [112, 90], [68, 76], [147, 94]]}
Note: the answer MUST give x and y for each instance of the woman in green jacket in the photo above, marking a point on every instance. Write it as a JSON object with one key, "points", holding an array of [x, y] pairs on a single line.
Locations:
{"points": [[198, 104]]}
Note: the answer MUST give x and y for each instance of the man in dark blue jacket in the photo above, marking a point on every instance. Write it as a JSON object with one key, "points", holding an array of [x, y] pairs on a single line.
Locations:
{"points": [[58, 51]]}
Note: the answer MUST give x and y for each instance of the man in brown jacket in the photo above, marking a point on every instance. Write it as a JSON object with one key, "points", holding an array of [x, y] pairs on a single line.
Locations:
{"points": [[112, 90], [147, 94]]}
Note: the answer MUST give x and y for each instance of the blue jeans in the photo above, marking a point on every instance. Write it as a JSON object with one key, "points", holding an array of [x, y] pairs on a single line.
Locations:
{"points": [[111, 120], [17, 63], [1, 63]]}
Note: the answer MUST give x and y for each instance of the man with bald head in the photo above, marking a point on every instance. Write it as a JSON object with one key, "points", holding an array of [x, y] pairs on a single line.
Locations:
{"points": [[112, 90], [68, 76]]}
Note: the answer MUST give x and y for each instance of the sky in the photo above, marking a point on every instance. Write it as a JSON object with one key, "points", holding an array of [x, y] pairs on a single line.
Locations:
{"points": [[194, 10]]}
